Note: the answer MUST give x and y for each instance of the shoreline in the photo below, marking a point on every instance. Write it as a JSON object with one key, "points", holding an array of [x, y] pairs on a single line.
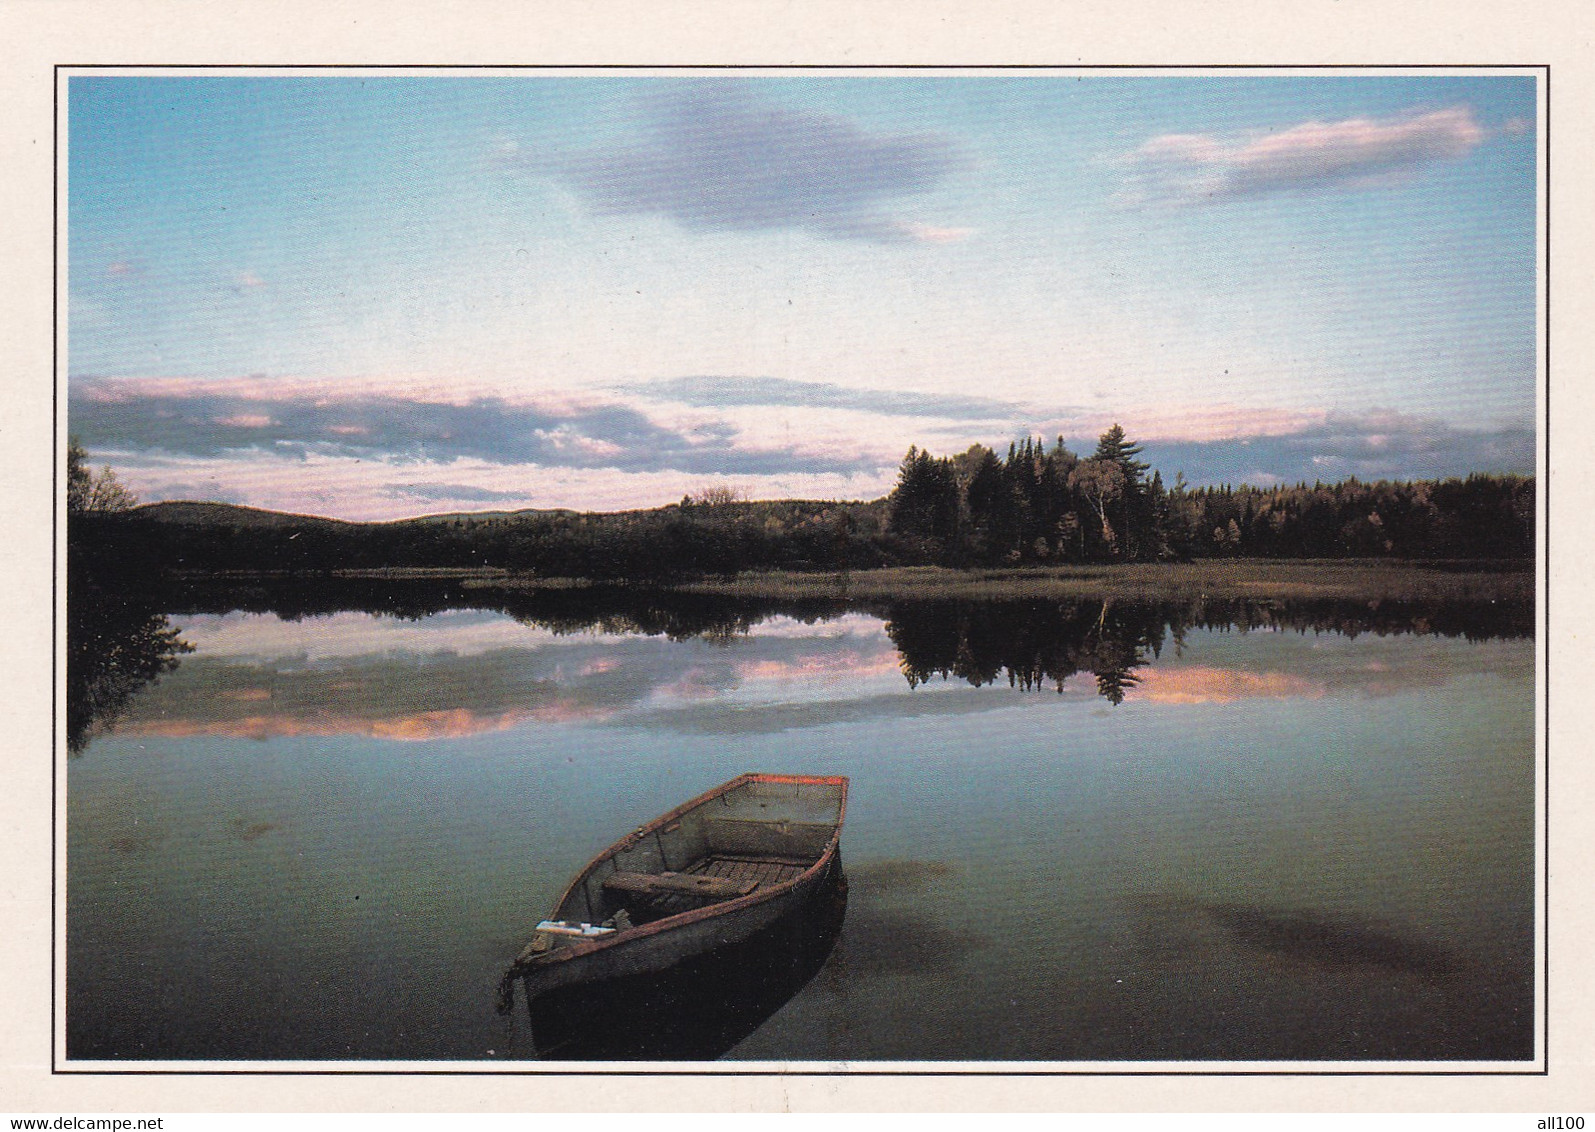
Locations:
{"points": [[1293, 579]]}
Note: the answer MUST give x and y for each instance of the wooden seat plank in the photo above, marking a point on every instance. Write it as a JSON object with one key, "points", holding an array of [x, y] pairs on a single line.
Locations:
{"points": [[679, 884]]}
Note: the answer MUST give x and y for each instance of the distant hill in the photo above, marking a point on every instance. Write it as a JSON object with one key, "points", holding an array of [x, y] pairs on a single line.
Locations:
{"points": [[192, 514], [229, 515], [487, 516], [676, 539]]}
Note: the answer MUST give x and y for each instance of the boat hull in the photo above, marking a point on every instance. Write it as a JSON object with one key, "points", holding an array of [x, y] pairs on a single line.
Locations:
{"points": [[699, 1007], [650, 952]]}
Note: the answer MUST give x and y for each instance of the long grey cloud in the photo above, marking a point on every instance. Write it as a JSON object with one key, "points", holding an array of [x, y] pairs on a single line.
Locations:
{"points": [[718, 392], [1370, 447], [198, 423], [451, 492], [713, 157]]}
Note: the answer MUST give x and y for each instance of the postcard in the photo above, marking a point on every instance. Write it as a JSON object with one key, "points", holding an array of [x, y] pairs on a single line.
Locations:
{"points": [[992, 575]]}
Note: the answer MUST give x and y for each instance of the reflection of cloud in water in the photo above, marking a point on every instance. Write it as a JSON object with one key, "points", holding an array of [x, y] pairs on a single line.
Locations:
{"points": [[438, 694], [818, 667], [445, 683], [1196, 684], [464, 632], [769, 719], [424, 726], [264, 636], [1329, 664], [696, 684]]}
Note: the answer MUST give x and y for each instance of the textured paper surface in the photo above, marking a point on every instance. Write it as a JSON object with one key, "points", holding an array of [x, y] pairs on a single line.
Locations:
{"points": [[39, 37]]}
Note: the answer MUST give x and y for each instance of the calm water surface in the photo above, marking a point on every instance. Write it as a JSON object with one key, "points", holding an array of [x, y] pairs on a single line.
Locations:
{"points": [[327, 837]]}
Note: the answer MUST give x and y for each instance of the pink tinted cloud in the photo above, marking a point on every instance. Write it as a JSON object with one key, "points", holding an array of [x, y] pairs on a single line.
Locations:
{"points": [[246, 420], [448, 723], [933, 234], [1196, 167]]}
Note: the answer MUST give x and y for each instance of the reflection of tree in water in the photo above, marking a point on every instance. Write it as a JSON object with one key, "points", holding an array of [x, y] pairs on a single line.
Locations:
{"points": [[115, 646], [598, 608], [117, 641], [1036, 644]]}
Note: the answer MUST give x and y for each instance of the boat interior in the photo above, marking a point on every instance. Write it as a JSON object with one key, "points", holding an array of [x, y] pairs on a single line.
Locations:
{"points": [[758, 832]]}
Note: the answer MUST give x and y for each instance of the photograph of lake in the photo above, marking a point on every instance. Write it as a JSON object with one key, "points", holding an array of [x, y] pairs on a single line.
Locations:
{"points": [[825, 569]]}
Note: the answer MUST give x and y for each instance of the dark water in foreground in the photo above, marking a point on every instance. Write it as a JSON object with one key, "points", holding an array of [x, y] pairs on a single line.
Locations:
{"points": [[1076, 832]]}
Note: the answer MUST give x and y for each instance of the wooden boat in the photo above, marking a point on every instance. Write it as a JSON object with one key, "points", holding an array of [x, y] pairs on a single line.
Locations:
{"points": [[701, 1008], [710, 873]]}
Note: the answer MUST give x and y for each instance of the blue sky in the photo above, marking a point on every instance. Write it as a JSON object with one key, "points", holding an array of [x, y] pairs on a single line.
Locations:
{"points": [[379, 296]]}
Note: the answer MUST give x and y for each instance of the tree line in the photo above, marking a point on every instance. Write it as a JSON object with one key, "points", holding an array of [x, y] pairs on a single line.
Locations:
{"points": [[1049, 505], [1037, 506]]}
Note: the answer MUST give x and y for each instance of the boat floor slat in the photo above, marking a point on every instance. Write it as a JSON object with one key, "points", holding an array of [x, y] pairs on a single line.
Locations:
{"points": [[736, 874], [800, 863], [762, 870]]}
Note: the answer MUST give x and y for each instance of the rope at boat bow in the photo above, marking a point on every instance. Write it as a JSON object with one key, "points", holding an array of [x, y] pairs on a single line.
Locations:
{"points": [[506, 990]]}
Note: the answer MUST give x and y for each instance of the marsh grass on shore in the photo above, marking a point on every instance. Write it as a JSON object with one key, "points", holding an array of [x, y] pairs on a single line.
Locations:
{"points": [[1240, 578]]}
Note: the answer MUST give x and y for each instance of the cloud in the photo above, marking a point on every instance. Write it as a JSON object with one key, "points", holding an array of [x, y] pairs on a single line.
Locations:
{"points": [[1370, 446], [222, 420], [87, 313], [1191, 168], [451, 492], [712, 157], [717, 392], [931, 234], [247, 420], [198, 489]]}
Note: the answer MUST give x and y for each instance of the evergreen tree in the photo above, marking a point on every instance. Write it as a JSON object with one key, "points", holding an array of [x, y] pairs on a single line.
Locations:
{"points": [[926, 501], [1112, 445]]}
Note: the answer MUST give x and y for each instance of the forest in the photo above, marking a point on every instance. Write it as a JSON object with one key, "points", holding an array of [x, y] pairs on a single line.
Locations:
{"points": [[1035, 506], [1050, 505]]}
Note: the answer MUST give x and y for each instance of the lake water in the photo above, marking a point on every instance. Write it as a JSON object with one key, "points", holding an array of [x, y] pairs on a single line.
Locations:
{"points": [[1075, 832]]}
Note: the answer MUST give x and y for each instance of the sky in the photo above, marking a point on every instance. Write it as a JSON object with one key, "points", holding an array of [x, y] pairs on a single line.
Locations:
{"points": [[378, 296]]}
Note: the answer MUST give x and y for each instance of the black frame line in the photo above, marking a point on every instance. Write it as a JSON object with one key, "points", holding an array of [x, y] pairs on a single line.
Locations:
{"points": [[954, 1069]]}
